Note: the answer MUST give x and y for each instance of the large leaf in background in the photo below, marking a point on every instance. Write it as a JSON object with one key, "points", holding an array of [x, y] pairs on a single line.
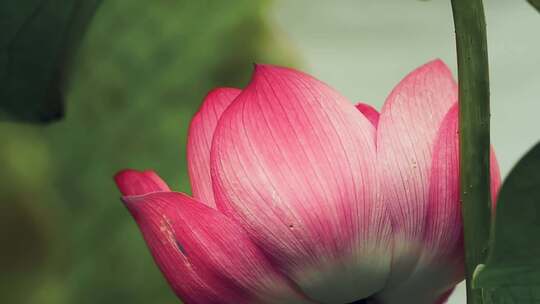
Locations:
{"points": [[535, 3], [512, 271], [140, 73], [36, 42]]}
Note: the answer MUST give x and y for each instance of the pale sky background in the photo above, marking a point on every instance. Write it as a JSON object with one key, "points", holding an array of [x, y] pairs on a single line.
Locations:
{"points": [[364, 47]]}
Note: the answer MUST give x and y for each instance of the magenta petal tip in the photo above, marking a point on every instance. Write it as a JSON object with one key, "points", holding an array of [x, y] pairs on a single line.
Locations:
{"points": [[133, 182]]}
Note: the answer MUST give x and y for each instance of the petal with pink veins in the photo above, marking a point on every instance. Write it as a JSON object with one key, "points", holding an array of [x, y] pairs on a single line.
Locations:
{"points": [[205, 257], [201, 131], [294, 162], [406, 134], [441, 263]]}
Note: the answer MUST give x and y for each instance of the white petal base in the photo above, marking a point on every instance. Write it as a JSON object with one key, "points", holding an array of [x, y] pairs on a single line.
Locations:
{"points": [[352, 279]]}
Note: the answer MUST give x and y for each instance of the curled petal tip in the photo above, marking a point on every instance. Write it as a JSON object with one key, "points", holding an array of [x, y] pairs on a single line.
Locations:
{"points": [[133, 182], [369, 112]]}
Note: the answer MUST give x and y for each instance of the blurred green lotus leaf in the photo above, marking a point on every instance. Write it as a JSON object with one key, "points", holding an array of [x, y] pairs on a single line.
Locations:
{"points": [[36, 43], [137, 79], [535, 3], [512, 271]]}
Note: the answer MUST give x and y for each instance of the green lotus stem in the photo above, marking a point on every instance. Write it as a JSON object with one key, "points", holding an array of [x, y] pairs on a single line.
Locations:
{"points": [[474, 117]]}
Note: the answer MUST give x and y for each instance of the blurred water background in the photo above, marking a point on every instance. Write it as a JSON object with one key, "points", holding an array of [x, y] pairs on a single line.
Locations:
{"points": [[140, 75]]}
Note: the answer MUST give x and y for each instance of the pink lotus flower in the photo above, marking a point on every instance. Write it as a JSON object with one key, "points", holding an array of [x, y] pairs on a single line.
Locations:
{"points": [[299, 197]]}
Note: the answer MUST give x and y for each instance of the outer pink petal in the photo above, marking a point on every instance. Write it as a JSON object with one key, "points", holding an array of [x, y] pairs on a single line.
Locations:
{"points": [[369, 112], [443, 237], [406, 133], [441, 263], [294, 162], [201, 131], [132, 182], [205, 257]]}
